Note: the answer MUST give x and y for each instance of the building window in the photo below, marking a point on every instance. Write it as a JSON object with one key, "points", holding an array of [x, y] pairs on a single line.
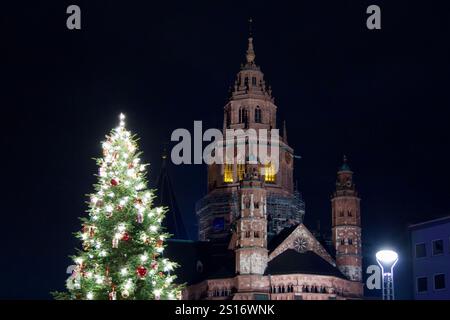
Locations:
{"points": [[439, 281], [247, 234], [258, 115], [342, 241], [341, 213], [349, 213], [421, 250], [219, 224], [422, 285], [438, 247], [350, 241], [228, 173], [228, 116], [254, 81], [241, 171], [256, 234], [269, 173]]}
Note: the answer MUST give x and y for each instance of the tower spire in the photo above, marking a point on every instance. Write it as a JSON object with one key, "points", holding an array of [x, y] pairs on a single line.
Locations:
{"points": [[284, 132], [250, 51]]}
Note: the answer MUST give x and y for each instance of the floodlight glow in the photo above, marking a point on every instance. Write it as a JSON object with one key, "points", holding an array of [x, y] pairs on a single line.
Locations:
{"points": [[387, 260]]}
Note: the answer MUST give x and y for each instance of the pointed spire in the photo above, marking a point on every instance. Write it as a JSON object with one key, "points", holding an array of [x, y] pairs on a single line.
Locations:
{"points": [[284, 132], [164, 157], [250, 51], [345, 166]]}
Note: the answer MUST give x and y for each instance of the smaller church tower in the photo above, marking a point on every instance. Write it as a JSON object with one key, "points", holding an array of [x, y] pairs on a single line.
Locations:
{"points": [[251, 226], [346, 224]]}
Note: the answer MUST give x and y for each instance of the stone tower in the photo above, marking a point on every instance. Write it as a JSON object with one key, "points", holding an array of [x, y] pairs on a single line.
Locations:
{"points": [[251, 226], [346, 224], [250, 106]]}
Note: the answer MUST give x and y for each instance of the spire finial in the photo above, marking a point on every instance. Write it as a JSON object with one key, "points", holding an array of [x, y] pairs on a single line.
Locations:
{"points": [[250, 52], [345, 166]]}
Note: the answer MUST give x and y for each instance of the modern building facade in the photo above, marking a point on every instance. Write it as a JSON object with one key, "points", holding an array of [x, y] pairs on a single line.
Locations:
{"points": [[430, 246]]}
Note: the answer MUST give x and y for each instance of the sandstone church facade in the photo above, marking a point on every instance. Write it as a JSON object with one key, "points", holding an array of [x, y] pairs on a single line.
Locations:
{"points": [[253, 243]]}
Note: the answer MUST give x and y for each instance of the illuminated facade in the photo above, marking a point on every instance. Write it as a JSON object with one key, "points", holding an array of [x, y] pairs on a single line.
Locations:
{"points": [[253, 244], [251, 106]]}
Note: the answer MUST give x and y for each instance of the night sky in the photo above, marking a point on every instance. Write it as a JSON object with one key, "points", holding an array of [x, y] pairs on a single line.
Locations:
{"points": [[380, 97]]}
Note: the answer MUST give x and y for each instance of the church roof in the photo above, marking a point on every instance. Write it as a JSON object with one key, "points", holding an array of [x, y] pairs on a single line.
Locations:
{"points": [[292, 261], [279, 238], [200, 260]]}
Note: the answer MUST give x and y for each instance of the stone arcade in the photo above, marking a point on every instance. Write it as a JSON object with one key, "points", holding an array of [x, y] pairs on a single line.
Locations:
{"points": [[253, 244]]}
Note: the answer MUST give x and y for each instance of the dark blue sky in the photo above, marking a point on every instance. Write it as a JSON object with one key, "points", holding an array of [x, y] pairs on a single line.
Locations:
{"points": [[380, 97]]}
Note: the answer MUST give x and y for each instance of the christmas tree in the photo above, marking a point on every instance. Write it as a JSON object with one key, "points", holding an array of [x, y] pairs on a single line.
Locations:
{"points": [[123, 241]]}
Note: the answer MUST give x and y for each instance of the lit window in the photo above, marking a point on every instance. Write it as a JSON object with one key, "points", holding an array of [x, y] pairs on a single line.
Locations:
{"points": [[228, 173], [438, 247], [421, 250], [241, 171], [439, 281], [269, 173]]}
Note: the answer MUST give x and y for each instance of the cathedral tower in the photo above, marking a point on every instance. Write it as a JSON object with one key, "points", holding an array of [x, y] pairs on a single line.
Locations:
{"points": [[250, 106], [346, 224], [251, 226]]}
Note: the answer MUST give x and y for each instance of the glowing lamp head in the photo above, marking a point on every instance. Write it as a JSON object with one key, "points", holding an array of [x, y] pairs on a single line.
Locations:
{"points": [[387, 259]]}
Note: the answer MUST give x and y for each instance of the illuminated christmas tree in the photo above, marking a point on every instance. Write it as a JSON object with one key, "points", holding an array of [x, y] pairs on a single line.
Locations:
{"points": [[123, 242]]}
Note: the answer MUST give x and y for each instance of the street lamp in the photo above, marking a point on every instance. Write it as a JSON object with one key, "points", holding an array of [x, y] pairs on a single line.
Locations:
{"points": [[387, 260]]}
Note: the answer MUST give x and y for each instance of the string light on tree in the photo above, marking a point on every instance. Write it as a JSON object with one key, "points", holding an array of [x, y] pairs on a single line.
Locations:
{"points": [[121, 235]]}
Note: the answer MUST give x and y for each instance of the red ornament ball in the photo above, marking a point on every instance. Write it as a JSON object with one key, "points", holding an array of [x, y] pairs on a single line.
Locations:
{"points": [[126, 236], [141, 271], [114, 182]]}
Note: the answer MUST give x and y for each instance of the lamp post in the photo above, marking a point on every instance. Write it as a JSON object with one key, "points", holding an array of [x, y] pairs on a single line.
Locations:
{"points": [[387, 260]]}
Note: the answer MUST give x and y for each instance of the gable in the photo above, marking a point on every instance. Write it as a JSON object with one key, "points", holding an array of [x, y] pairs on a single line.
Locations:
{"points": [[303, 236]]}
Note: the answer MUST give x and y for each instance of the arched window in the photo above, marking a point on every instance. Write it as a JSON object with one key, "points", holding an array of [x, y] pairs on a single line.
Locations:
{"points": [[253, 81], [341, 213], [241, 171], [240, 114], [349, 213], [342, 241], [244, 115], [247, 234], [269, 173], [256, 234], [258, 118], [228, 173], [350, 241], [228, 116]]}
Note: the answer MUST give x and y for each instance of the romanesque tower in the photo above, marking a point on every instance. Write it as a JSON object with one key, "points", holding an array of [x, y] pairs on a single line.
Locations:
{"points": [[250, 106], [346, 224], [251, 225]]}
